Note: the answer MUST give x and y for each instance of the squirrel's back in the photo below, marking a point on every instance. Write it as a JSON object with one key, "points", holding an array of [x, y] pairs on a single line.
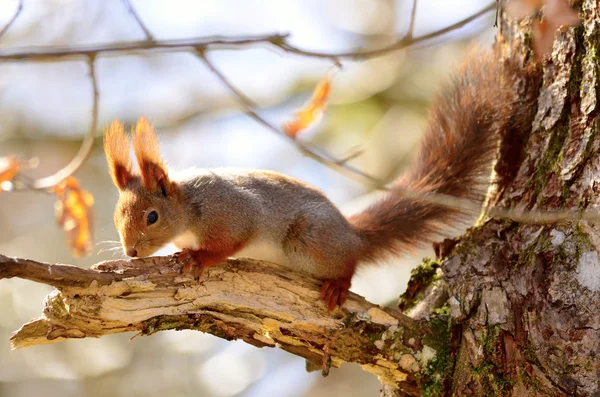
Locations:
{"points": [[280, 218]]}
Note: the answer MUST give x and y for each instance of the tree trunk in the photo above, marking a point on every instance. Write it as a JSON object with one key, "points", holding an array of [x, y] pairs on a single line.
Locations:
{"points": [[525, 298]]}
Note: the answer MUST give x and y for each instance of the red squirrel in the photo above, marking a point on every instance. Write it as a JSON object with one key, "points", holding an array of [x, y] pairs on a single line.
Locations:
{"points": [[212, 215]]}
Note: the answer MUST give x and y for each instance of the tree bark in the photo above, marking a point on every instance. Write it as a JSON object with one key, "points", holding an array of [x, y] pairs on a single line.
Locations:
{"points": [[526, 297], [260, 303]]}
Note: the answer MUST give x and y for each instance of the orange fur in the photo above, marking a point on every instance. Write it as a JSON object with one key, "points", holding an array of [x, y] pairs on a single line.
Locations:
{"points": [[145, 145], [469, 120], [116, 147]]}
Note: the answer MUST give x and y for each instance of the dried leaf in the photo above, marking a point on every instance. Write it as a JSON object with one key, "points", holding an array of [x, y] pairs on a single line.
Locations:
{"points": [[556, 13], [75, 216], [9, 167], [560, 13], [313, 110], [550, 15], [521, 9]]}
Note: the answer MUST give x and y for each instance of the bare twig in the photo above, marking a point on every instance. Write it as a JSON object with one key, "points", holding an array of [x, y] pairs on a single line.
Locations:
{"points": [[55, 54], [56, 275], [497, 13], [86, 145], [543, 217], [276, 40], [411, 26], [399, 45], [354, 153], [243, 98], [13, 19], [308, 151], [134, 14]]}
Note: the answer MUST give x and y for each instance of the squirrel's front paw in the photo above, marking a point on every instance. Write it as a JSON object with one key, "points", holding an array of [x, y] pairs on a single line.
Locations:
{"points": [[191, 264]]}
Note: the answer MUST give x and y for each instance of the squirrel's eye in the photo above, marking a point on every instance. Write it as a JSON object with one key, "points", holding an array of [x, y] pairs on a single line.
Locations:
{"points": [[152, 217]]}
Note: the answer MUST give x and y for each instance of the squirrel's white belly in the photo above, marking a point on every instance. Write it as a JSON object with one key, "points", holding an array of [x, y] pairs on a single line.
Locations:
{"points": [[264, 250], [187, 240]]}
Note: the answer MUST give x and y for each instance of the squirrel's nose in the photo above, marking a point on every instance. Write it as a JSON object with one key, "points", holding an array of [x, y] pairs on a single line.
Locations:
{"points": [[131, 252]]}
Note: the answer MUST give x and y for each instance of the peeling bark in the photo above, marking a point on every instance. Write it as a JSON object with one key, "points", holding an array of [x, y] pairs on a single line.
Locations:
{"points": [[259, 303], [527, 297]]}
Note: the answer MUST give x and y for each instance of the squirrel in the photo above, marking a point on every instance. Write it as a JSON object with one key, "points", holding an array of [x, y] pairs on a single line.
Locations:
{"points": [[213, 214]]}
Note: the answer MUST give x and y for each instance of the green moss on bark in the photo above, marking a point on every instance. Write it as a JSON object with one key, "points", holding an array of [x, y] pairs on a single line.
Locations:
{"points": [[420, 278], [435, 378]]}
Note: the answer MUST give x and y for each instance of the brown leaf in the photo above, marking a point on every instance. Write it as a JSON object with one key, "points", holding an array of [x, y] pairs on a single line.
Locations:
{"points": [[521, 9], [549, 16], [313, 110], [556, 14], [75, 216], [560, 13], [9, 167]]}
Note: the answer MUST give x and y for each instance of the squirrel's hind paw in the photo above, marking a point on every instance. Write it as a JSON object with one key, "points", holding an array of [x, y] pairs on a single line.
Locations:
{"points": [[335, 292]]}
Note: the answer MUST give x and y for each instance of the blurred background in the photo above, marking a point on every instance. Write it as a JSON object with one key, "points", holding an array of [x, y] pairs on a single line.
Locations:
{"points": [[379, 105]]}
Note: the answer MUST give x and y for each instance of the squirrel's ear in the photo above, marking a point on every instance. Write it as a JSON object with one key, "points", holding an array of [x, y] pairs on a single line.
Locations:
{"points": [[154, 173], [116, 147]]}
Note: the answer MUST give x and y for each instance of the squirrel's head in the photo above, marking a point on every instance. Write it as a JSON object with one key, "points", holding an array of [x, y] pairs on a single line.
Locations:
{"points": [[148, 214]]}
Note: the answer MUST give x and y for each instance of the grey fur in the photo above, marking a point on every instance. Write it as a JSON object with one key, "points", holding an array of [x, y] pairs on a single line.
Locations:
{"points": [[314, 236]]}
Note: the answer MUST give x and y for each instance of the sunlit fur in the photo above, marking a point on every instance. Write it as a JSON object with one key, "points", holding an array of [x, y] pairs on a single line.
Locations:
{"points": [[147, 152], [116, 147], [135, 202]]}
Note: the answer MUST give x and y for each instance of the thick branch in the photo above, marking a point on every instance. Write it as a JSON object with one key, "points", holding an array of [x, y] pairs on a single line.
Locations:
{"points": [[257, 302]]}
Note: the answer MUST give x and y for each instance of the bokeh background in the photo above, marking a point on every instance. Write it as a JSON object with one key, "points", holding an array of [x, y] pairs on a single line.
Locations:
{"points": [[379, 106]]}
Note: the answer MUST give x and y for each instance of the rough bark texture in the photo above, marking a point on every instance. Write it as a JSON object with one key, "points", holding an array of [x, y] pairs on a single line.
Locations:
{"points": [[260, 303], [526, 297]]}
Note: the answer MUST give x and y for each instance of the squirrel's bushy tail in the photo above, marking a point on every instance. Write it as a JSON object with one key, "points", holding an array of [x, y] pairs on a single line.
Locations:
{"points": [[481, 105]]}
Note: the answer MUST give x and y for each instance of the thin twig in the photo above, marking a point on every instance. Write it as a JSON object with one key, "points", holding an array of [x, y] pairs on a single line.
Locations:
{"points": [[276, 40], [399, 45], [13, 19], [411, 26], [86, 145], [201, 53], [354, 153], [134, 14], [497, 13], [54, 54], [543, 217], [308, 151]]}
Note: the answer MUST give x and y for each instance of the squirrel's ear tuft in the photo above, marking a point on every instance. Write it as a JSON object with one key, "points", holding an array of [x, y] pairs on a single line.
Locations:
{"points": [[116, 148], [154, 173]]}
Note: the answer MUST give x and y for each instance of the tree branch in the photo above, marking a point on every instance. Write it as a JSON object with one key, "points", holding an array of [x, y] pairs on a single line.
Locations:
{"points": [[86, 144], [401, 44], [413, 18], [259, 303], [13, 19], [138, 20], [321, 157], [276, 40]]}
